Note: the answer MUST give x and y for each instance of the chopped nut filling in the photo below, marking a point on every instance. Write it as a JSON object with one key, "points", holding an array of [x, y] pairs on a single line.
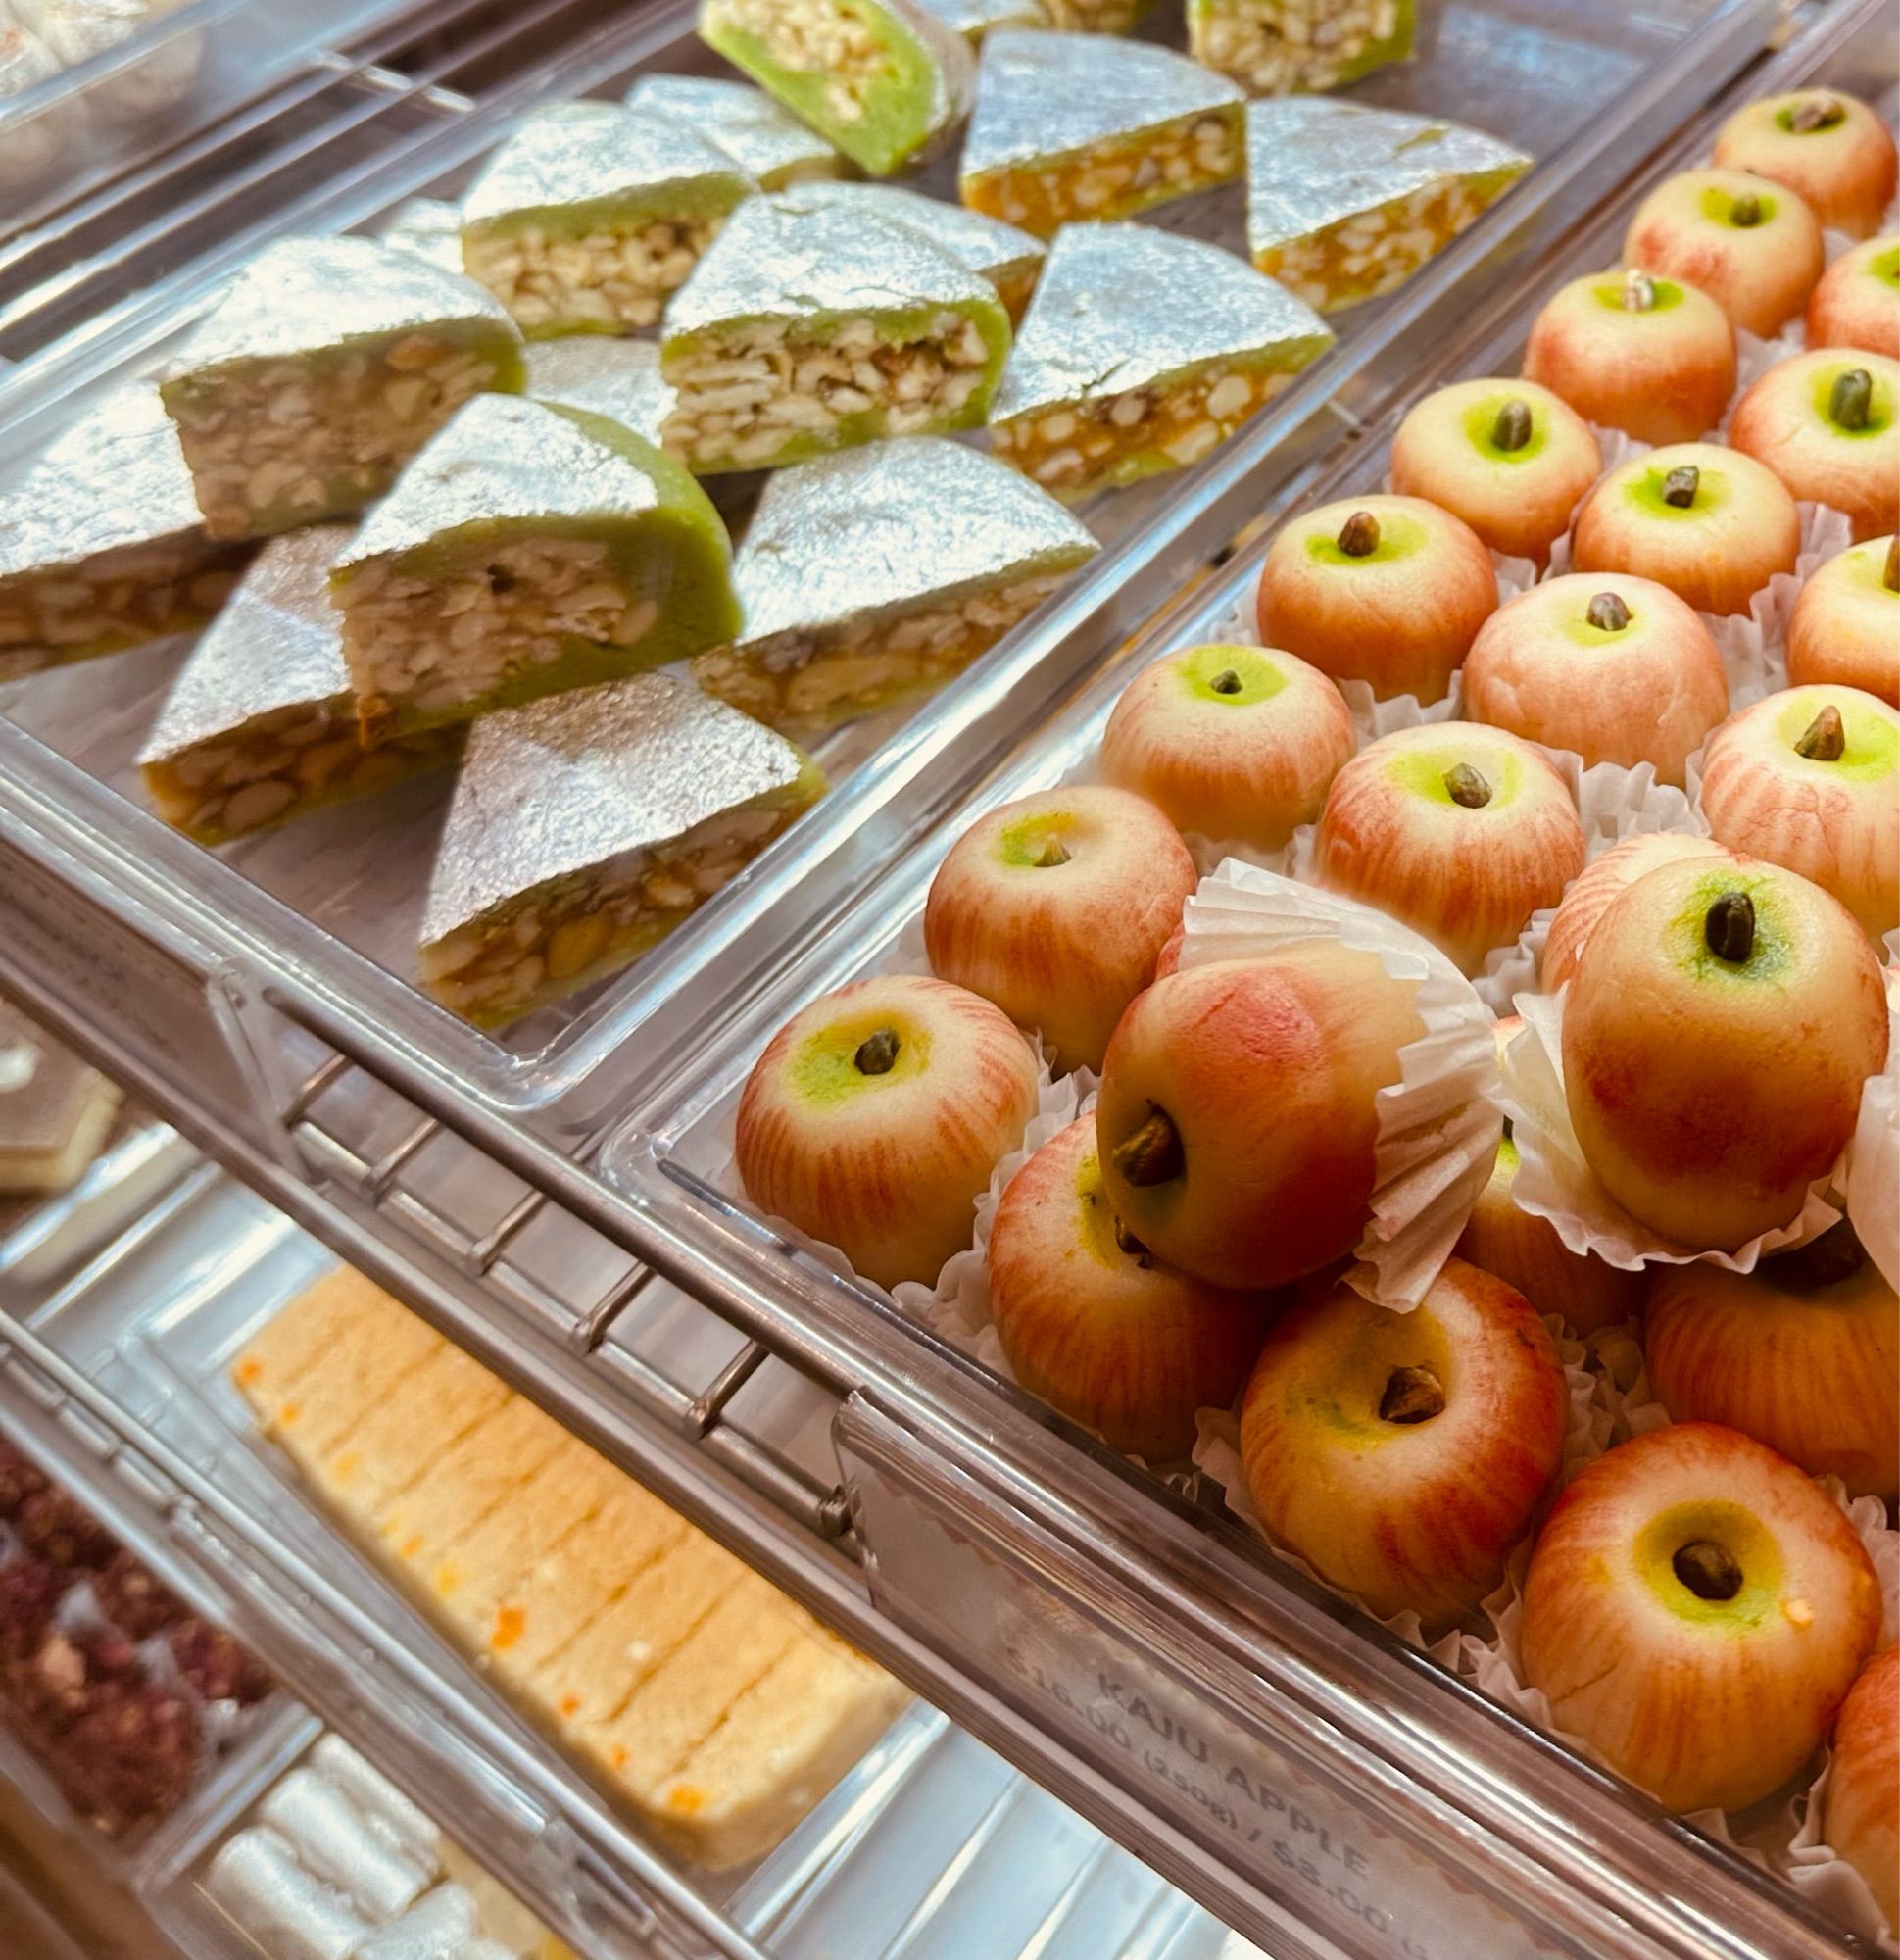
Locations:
{"points": [[280, 765], [115, 599], [1113, 180], [276, 443], [804, 683], [828, 37], [428, 650], [1273, 46], [603, 279], [773, 383], [1119, 438], [1362, 257], [571, 930]]}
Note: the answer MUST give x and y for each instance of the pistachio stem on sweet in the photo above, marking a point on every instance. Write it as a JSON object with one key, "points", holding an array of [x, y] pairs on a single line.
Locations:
{"points": [[1747, 211], [1359, 534], [1851, 399], [877, 1053], [1728, 927], [1825, 739], [1131, 1245], [1054, 852], [1466, 787], [1226, 681], [1818, 112], [1150, 1154], [1512, 428], [1890, 577], [1412, 1394], [1638, 290], [1681, 485], [1837, 1256], [1708, 1569], [1608, 613]]}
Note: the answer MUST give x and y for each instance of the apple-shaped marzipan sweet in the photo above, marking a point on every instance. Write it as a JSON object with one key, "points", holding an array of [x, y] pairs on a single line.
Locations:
{"points": [[1054, 908], [1526, 1251], [1695, 1610], [1857, 303], [1860, 1816], [876, 1114], [1845, 626], [1831, 149], [1751, 244], [1629, 351], [1459, 830], [1602, 882], [1237, 1120], [1233, 743], [1095, 1324], [1826, 424], [1613, 668], [1722, 1023], [1401, 1456], [1810, 778], [1803, 1354], [1510, 458], [1710, 523], [1388, 590]]}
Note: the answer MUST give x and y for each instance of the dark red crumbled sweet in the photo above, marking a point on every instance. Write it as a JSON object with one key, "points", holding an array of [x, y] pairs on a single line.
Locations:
{"points": [[130, 1755], [20, 1478], [215, 1665], [134, 1599], [29, 1597], [62, 1531]]}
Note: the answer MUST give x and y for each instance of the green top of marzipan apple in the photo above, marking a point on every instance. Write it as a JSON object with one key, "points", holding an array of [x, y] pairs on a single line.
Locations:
{"points": [[1400, 534], [1609, 294], [1719, 207], [1247, 675], [1886, 265], [1423, 771], [1866, 565], [1097, 1215], [1873, 742], [1685, 937], [1880, 399], [1644, 489], [1577, 621], [1785, 116], [1740, 1533], [1480, 422], [1346, 1396], [825, 1069], [1025, 842]]}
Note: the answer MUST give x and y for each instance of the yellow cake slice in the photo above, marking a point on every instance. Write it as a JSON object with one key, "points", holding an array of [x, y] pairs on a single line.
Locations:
{"points": [[305, 1336], [684, 1699], [590, 1682], [485, 1467], [407, 1430], [784, 1742]]}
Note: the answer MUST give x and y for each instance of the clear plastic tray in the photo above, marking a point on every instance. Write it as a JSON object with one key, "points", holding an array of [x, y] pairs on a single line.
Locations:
{"points": [[331, 903], [675, 1153]]}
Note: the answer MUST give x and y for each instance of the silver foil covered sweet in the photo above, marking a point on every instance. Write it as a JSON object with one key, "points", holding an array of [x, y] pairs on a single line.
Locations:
{"points": [[983, 245], [117, 477], [304, 296], [1126, 306], [276, 645], [763, 139], [502, 457], [604, 375], [574, 153], [369, 1789], [344, 1847], [1042, 95], [430, 228], [915, 521], [779, 258], [575, 781], [291, 1915], [973, 19], [441, 1926], [1312, 162]]}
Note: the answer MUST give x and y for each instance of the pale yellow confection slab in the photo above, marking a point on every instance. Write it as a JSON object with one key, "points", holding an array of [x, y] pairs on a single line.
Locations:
{"points": [[473, 1475], [685, 1698], [420, 1416], [580, 1578], [785, 1740], [588, 1683], [382, 1352], [305, 1335], [468, 1582]]}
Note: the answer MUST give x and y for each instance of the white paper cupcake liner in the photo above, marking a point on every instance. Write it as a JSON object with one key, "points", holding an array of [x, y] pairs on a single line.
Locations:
{"points": [[1439, 1124], [1870, 1175], [1555, 1182]]}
